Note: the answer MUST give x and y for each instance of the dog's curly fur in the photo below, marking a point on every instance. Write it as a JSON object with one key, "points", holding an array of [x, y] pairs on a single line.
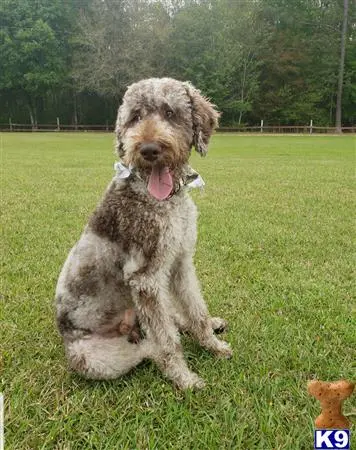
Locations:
{"points": [[136, 253]]}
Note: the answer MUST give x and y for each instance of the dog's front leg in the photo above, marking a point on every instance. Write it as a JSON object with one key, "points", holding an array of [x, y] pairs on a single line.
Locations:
{"points": [[162, 332], [186, 289]]}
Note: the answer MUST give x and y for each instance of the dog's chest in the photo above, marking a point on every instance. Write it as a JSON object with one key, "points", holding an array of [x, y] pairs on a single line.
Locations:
{"points": [[137, 222], [179, 228], [168, 230]]}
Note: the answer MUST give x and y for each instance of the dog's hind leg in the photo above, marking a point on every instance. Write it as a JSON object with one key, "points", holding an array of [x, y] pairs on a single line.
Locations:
{"points": [[218, 325], [99, 357]]}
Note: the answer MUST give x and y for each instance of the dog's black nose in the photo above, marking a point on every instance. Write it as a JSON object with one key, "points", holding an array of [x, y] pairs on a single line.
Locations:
{"points": [[150, 151]]}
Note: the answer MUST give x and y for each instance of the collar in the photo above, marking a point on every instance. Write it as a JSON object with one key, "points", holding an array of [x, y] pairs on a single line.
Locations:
{"points": [[190, 178]]}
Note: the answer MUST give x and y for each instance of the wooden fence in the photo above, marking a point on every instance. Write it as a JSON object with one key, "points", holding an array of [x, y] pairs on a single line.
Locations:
{"points": [[289, 129]]}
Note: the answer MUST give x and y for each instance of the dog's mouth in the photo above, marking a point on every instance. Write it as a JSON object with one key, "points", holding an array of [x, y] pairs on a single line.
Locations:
{"points": [[157, 159], [159, 163], [160, 182]]}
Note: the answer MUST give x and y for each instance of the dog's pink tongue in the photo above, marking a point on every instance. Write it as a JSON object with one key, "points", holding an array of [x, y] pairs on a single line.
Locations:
{"points": [[160, 184]]}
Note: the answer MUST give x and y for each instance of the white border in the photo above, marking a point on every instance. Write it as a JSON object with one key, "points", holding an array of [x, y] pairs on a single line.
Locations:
{"points": [[1, 422]]}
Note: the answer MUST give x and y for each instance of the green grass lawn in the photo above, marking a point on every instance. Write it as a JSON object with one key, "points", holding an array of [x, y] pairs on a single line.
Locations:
{"points": [[275, 258]]}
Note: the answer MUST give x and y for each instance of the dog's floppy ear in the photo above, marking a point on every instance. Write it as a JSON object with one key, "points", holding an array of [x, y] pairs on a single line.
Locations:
{"points": [[205, 118], [119, 144]]}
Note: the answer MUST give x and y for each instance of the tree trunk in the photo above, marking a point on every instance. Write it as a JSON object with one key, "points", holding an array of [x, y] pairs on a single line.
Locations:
{"points": [[32, 119], [31, 106], [341, 68], [242, 96], [331, 110], [75, 117], [242, 100]]}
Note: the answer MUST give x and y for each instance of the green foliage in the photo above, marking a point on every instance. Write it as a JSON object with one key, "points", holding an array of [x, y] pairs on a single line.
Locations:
{"points": [[33, 55], [118, 42], [215, 46], [271, 59], [349, 96], [33, 48]]}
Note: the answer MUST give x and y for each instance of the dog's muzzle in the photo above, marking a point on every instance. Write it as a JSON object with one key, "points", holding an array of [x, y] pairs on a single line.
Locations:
{"points": [[150, 151]]}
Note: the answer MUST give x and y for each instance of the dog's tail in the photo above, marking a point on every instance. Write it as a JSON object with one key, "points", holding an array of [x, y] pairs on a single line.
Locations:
{"points": [[99, 357]]}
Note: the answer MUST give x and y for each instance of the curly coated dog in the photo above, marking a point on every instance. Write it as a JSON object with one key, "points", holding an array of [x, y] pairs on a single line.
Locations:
{"points": [[128, 287]]}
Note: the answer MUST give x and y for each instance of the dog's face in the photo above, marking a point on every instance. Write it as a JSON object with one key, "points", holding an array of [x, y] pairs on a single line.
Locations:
{"points": [[159, 121]]}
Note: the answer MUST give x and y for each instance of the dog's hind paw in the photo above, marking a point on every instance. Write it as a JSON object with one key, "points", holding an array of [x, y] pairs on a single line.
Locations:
{"points": [[223, 350], [190, 381], [218, 325]]}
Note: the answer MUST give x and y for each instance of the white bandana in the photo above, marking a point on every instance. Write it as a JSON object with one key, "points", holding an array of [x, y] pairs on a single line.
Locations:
{"points": [[197, 181]]}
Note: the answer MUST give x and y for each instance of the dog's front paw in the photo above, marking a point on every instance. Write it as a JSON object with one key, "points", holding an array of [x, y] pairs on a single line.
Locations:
{"points": [[223, 350], [190, 380]]}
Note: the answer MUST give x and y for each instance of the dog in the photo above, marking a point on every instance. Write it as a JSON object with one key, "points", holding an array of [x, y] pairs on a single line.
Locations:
{"points": [[133, 264]]}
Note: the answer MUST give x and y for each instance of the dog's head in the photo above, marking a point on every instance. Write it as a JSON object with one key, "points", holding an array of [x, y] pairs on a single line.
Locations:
{"points": [[159, 121]]}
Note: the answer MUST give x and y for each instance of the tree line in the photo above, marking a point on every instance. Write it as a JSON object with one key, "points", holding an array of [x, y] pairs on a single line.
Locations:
{"points": [[283, 61]]}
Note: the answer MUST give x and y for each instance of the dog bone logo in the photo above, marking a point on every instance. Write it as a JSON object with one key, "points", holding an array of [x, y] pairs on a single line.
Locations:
{"points": [[331, 397]]}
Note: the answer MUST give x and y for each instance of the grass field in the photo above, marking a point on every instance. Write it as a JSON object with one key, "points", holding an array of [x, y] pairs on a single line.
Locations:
{"points": [[275, 257]]}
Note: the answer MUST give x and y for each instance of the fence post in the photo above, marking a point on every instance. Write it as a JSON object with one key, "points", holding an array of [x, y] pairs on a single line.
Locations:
{"points": [[107, 125], [10, 123], [261, 126], [311, 126], [58, 127]]}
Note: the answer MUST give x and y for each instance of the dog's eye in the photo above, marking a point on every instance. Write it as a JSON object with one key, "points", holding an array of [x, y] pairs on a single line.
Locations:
{"points": [[135, 118], [169, 113]]}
